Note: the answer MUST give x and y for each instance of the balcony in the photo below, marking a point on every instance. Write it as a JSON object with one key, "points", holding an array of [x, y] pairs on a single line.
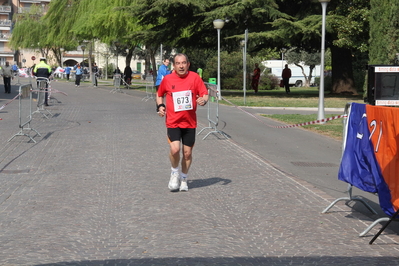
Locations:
{"points": [[40, 10], [5, 9], [4, 37], [5, 23]]}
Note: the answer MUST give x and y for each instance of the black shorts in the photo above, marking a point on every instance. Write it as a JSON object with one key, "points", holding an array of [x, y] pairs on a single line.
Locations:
{"points": [[186, 135]]}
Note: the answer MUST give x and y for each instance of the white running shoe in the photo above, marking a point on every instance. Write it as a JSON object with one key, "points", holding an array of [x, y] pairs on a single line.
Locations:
{"points": [[183, 184], [174, 182]]}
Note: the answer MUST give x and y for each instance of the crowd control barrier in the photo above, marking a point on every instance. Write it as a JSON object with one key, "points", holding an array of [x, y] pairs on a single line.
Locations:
{"points": [[25, 112], [370, 157], [41, 91], [117, 83], [149, 88], [213, 111]]}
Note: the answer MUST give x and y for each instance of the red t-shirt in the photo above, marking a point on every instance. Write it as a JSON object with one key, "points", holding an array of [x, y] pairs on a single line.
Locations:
{"points": [[180, 108]]}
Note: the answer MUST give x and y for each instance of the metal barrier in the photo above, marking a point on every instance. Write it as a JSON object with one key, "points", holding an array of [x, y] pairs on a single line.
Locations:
{"points": [[213, 111], [41, 91], [349, 191], [117, 83], [25, 112], [149, 88]]}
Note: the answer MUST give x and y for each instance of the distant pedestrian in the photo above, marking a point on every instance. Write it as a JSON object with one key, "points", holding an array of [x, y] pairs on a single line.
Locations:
{"points": [[79, 72], [286, 78], [162, 72], [15, 69], [6, 72], [127, 73], [94, 72], [255, 78], [117, 71], [199, 72], [43, 72], [67, 72]]}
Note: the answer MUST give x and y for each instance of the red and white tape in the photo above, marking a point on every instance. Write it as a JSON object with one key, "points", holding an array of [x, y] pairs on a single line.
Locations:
{"points": [[287, 126], [7, 103]]}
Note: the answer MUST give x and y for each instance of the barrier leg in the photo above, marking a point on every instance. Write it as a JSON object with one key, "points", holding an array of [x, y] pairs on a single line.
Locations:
{"points": [[350, 198], [383, 228]]}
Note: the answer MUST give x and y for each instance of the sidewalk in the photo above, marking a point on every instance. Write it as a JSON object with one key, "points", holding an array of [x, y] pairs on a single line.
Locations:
{"points": [[93, 191]]}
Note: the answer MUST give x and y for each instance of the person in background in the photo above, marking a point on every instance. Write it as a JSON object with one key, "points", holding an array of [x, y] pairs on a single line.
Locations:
{"points": [[6, 72], [79, 72], [15, 69], [43, 72], [199, 72], [182, 91], [286, 78], [162, 72], [67, 72], [255, 78], [94, 72], [117, 71], [127, 74]]}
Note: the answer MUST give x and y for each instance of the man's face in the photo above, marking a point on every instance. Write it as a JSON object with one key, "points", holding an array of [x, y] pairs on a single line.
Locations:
{"points": [[181, 65], [7, 64], [166, 62]]}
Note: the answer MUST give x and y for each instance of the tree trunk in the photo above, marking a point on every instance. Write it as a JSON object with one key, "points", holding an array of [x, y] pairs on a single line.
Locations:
{"points": [[342, 74]]}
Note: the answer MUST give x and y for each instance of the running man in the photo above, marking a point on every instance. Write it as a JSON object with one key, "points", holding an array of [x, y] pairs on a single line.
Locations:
{"points": [[182, 91]]}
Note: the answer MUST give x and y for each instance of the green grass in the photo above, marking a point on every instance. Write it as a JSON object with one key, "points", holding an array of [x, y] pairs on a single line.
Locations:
{"points": [[299, 97], [332, 128]]}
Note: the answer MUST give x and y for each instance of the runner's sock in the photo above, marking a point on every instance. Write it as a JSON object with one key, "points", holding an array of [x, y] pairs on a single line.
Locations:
{"points": [[174, 170]]}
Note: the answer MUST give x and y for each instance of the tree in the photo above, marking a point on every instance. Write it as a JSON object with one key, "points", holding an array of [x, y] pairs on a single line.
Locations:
{"points": [[298, 58], [384, 33]]}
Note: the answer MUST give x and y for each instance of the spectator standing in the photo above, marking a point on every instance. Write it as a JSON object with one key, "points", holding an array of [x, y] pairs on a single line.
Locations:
{"points": [[127, 74], [286, 78], [15, 69], [255, 78], [67, 72], [199, 72], [94, 72], [43, 71], [162, 72], [182, 90], [6, 72], [79, 72]]}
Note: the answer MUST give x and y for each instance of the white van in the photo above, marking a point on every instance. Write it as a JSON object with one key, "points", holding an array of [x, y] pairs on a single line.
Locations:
{"points": [[275, 67]]}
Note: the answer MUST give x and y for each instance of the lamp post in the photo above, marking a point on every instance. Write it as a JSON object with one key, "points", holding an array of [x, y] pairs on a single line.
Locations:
{"points": [[320, 114], [218, 24], [83, 47], [106, 54], [244, 63]]}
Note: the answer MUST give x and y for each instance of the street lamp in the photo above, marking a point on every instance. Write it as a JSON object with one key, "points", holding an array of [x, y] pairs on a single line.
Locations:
{"points": [[244, 63], [320, 114], [83, 47], [107, 55], [218, 24]]}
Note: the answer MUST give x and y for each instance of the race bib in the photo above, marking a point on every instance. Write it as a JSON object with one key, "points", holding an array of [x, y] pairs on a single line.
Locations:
{"points": [[182, 101]]}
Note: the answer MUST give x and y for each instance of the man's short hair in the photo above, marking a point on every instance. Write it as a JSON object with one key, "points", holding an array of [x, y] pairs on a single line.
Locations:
{"points": [[181, 54]]}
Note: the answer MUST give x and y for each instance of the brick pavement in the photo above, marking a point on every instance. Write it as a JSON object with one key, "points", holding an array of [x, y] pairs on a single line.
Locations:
{"points": [[93, 191]]}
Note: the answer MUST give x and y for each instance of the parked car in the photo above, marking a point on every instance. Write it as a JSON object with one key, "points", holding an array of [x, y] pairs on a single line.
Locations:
{"points": [[136, 74]]}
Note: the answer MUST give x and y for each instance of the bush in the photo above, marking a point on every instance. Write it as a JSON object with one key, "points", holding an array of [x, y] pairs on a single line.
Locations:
{"points": [[269, 82], [231, 70]]}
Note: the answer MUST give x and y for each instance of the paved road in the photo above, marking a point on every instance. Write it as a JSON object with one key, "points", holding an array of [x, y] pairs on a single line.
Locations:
{"points": [[93, 191]]}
